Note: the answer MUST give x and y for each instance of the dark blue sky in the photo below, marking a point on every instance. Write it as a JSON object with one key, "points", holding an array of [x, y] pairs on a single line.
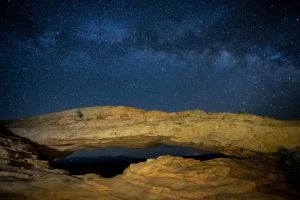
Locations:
{"points": [[166, 55]]}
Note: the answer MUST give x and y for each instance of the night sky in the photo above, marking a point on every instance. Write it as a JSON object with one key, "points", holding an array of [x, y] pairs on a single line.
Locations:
{"points": [[168, 55]]}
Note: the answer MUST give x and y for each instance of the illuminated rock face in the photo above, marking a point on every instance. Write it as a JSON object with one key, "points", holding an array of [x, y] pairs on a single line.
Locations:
{"points": [[232, 134], [170, 177], [23, 176]]}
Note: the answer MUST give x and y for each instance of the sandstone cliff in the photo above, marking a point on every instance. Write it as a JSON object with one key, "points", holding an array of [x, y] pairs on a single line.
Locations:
{"points": [[24, 175], [231, 134]]}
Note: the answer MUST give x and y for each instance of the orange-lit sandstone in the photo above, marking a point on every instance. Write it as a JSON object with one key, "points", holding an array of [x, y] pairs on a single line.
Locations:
{"points": [[232, 134], [24, 176]]}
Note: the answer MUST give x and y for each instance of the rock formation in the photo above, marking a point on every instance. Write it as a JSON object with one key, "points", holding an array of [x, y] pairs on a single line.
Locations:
{"points": [[23, 175], [232, 134]]}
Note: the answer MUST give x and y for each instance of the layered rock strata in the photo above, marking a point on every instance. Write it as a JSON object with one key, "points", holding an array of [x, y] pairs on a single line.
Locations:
{"points": [[232, 134], [252, 140], [23, 176]]}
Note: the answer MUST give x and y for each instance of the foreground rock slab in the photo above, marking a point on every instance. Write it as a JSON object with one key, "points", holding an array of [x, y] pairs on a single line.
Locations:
{"points": [[24, 176], [170, 177], [232, 134]]}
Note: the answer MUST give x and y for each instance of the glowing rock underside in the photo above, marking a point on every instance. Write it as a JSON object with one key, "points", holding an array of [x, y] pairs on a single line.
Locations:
{"points": [[232, 134], [24, 176]]}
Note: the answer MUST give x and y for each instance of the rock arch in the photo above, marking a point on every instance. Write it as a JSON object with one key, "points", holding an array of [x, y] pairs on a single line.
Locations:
{"points": [[232, 134]]}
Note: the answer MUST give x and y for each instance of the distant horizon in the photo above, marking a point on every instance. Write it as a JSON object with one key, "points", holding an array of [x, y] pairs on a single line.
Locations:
{"points": [[147, 152]]}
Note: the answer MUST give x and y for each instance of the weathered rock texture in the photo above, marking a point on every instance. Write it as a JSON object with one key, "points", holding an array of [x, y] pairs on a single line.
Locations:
{"points": [[170, 177], [23, 176], [231, 134]]}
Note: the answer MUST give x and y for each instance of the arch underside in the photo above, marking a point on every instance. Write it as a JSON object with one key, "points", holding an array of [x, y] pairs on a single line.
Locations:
{"points": [[232, 134]]}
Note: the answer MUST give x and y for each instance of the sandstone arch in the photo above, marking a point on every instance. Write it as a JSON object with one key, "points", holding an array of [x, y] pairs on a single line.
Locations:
{"points": [[232, 134]]}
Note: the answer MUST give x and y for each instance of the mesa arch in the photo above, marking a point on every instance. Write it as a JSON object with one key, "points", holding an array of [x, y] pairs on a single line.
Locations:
{"points": [[232, 134]]}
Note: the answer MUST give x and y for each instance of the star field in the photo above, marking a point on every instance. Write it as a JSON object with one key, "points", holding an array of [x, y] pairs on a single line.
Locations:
{"points": [[169, 55]]}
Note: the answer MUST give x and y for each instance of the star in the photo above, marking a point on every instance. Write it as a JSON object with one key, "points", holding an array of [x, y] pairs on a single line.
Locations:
{"points": [[215, 56]]}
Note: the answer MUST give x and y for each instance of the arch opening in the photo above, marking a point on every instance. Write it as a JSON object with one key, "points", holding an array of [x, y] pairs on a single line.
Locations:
{"points": [[111, 161]]}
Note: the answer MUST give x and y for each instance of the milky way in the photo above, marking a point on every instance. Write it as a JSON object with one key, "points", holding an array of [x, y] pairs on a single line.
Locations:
{"points": [[169, 55]]}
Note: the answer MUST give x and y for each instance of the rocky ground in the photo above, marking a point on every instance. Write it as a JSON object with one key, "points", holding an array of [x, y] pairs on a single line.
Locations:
{"points": [[24, 175]]}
